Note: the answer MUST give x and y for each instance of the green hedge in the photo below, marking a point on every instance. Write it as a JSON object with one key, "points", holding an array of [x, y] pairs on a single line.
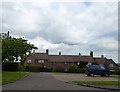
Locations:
{"points": [[32, 68], [10, 66], [117, 72], [75, 69], [57, 70]]}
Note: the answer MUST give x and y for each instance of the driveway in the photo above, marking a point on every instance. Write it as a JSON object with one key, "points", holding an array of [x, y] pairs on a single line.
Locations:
{"points": [[42, 81]]}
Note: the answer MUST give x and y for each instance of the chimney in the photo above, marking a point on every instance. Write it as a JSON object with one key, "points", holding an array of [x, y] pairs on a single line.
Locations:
{"points": [[91, 53], [33, 51], [47, 51], [79, 54], [59, 53], [102, 56]]}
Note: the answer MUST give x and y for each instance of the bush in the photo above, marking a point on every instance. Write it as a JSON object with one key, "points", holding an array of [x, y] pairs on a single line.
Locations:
{"points": [[21, 68], [72, 69], [10, 66], [81, 70], [32, 68], [75, 69], [117, 72], [45, 69], [57, 70]]}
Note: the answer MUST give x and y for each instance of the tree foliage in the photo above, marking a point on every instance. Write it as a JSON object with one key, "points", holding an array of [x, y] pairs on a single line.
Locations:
{"points": [[12, 47]]}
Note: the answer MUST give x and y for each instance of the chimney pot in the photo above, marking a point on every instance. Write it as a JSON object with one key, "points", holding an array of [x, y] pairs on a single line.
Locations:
{"points": [[33, 51], [59, 53], [91, 53], [47, 51], [102, 56], [79, 54]]}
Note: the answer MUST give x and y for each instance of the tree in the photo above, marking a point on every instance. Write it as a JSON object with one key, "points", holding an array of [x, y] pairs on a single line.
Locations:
{"points": [[12, 48]]}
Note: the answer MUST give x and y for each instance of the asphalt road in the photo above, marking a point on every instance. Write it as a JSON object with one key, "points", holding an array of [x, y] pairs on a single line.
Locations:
{"points": [[42, 81]]}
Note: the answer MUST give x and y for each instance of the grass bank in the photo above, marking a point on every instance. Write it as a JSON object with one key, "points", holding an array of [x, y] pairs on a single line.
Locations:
{"points": [[8, 77], [101, 83]]}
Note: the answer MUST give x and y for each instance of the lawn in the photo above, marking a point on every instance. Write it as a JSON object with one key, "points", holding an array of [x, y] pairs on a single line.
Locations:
{"points": [[115, 76], [8, 77], [101, 83], [0, 78]]}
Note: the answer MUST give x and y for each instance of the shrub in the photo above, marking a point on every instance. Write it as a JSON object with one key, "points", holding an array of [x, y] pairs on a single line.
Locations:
{"points": [[10, 66], [72, 69], [32, 68], [57, 70], [45, 69], [117, 72], [21, 68], [81, 70], [75, 69]]}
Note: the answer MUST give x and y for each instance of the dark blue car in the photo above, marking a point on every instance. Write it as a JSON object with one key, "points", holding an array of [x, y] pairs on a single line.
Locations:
{"points": [[97, 70]]}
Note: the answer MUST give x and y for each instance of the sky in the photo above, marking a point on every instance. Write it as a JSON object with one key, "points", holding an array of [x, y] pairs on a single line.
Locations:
{"points": [[70, 27]]}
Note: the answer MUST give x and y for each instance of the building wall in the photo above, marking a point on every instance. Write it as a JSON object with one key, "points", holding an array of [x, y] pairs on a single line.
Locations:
{"points": [[109, 64]]}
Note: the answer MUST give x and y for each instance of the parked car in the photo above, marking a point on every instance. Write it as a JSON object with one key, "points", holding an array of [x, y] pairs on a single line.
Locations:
{"points": [[97, 70]]}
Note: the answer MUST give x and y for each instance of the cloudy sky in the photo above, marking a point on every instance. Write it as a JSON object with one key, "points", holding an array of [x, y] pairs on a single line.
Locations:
{"points": [[69, 27]]}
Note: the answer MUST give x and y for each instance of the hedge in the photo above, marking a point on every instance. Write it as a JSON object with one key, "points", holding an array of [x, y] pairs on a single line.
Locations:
{"points": [[32, 68], [57, 69], [10, 66]]}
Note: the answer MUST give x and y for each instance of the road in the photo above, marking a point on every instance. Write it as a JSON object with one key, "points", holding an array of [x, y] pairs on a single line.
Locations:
{"points": [[42, 81]]}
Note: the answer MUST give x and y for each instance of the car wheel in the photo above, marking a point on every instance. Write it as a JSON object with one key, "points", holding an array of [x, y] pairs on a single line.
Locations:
{"points": [[102, 75], [88, 75], [107, 75], [92, 75]]}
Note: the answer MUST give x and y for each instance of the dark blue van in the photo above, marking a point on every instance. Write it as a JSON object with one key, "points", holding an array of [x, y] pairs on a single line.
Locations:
{"points": [[97, 70]]}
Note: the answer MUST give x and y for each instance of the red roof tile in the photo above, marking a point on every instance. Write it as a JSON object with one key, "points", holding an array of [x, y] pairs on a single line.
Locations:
{"points": [[38, 55]]}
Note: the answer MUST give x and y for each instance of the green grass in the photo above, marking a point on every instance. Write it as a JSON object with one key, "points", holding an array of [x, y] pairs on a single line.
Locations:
{"points": [[102, 83], [8, 77], [0, 78], [115, 76]]}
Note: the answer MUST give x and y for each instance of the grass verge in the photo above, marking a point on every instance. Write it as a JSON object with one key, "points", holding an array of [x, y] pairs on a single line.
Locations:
{"points": [[0, 78], [8, 77], [101, 83], [115, 76]]}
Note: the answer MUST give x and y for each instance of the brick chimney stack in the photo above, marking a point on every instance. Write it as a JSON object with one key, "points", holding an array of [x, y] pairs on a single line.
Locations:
{"points": [[91, 53], [47, 51]]}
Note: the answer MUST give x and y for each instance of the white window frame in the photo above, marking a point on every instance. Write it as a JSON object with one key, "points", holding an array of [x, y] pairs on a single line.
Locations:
{"points": [[111, 65], [41, 61], [29, 61]]}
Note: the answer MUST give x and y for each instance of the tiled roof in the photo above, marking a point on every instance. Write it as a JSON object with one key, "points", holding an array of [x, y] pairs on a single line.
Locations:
{"points": [[38, 55], [61, 58]]}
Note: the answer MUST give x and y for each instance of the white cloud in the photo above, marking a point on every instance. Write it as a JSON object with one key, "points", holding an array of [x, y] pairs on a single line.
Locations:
{"points": [[65, 26]]}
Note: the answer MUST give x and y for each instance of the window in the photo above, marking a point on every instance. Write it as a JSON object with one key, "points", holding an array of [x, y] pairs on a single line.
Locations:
{"points": [[29, 61], [111, 65], [40, 61], [65, 62]]}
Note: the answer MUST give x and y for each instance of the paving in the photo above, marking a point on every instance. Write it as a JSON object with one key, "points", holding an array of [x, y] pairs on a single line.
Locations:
{"points": [[83, 77], [43, 81], [66, 77]]}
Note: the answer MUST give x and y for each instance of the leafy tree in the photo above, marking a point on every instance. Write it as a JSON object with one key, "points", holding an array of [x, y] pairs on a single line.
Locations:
{"points": [[12, 47]]}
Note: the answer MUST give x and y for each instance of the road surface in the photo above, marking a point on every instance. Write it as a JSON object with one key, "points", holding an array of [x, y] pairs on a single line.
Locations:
{"points": [[42, 81]]}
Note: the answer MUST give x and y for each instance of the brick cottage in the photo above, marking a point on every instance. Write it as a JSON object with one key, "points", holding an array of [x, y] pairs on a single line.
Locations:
{"points": [[65, 61]]}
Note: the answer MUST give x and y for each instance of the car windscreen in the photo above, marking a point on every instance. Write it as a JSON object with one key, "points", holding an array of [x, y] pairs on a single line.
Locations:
{"points": [[96, 67]]}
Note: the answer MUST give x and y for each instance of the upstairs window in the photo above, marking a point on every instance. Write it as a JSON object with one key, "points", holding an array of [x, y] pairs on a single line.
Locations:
{"points": [[40, 61], [111, 65]]}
